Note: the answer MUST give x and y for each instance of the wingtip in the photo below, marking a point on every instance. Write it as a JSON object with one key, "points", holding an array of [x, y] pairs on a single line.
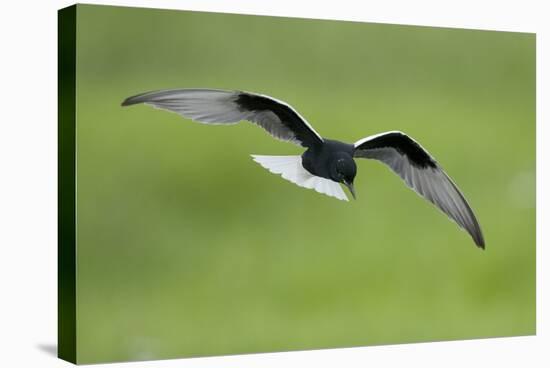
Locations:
{"points": [[481, 244], [479, 241], [127, 102], [136, 99]]}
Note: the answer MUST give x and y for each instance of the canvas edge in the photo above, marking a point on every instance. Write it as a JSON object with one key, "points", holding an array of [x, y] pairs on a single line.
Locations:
{"points": [[66, 159]]}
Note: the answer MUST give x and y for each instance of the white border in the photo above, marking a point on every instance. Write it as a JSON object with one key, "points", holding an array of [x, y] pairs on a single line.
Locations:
{"points": [[28, 180]]}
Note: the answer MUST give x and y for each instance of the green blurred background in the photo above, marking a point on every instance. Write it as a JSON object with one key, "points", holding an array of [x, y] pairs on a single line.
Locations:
{"points": [[186, 247]]}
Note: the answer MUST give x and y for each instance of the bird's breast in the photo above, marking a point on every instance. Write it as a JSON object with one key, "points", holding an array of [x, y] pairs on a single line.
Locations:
{"points": [[316, 162]]}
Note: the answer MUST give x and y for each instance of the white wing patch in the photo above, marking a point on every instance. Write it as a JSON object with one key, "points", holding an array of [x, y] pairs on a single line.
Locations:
{"points": [[291, 169]]}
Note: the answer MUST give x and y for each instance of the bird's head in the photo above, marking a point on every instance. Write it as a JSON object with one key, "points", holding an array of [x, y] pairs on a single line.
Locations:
{"points": [[343, 170]]}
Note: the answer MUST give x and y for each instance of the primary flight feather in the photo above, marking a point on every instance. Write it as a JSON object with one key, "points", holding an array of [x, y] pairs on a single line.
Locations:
{"points": [[326, 163]]}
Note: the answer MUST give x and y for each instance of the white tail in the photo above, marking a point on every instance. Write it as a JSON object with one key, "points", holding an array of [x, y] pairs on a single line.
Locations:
{"points": [[291, 169]]}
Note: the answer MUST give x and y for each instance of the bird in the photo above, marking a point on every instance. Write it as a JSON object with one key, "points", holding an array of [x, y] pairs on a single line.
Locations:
{"points": [[325, 163]]}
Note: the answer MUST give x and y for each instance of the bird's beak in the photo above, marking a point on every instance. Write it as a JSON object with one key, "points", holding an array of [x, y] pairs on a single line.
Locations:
{"points": [[351, 189]]}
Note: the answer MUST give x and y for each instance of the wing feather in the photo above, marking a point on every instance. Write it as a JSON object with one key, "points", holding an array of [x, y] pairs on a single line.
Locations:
{"points": [[423, 174], [211, 106]]}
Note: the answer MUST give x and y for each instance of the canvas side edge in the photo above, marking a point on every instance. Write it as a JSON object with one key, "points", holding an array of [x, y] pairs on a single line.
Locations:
{"points": [[66, 159]]}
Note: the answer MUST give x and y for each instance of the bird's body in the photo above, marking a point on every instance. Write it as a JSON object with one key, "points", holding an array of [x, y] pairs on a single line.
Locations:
{"points": [[325, 163], [318, 159]]}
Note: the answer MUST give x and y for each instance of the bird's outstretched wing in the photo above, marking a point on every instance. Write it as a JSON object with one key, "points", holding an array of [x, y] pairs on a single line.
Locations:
{"points": [[423, 174], [213, 106]]}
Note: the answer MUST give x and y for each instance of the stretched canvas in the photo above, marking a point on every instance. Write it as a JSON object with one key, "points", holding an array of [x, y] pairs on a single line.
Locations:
{"points": [[301, 184]]}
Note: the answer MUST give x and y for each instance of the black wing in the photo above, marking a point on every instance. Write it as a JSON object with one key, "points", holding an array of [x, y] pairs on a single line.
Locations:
{"points": [[212, 106], [423, 174]]}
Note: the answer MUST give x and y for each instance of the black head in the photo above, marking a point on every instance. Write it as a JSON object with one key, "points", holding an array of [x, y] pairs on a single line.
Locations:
{"points": [[343, 170]]}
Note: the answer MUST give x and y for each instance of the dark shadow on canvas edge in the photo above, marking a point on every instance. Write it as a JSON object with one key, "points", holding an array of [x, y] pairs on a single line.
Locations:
{"points": [[50, 349]]}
